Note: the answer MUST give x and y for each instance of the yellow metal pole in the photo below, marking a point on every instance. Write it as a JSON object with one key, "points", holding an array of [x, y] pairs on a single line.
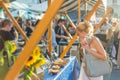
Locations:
{"points": [[49, 3], [33, 41], [73, 25], [50, 39], [49, 33], [14, 21], [93, 10], [102, 20], [18, 18], [68, 47], [79, 11], [67, 31]]}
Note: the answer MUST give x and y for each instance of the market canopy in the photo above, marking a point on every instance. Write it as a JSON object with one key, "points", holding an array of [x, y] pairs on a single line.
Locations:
{"points": [[23, 10], [19, 6], [68, 5]]}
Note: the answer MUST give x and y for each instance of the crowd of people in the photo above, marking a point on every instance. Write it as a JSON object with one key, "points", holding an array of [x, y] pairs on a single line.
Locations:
{"points": [[111, 30]]}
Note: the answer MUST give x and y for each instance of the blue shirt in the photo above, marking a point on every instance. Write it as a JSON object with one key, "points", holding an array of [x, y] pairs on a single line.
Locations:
{"points": [[54, 43]]}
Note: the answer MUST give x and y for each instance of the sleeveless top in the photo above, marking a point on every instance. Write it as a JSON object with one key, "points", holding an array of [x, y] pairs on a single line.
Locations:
{"points": [[85, 52]]}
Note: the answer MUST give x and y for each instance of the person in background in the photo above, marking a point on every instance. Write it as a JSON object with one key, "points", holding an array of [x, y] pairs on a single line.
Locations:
{"points": [[60, 34], [5, 30], [59, 31], [28, 29], [54, 43], [71, 29], [110, 43], [117, 45], [5, 35], [105, 26], [114, 24], [14, 33]]}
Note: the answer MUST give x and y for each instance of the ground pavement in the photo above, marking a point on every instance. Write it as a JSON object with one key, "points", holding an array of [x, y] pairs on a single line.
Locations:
{"points": [[115, 74]]}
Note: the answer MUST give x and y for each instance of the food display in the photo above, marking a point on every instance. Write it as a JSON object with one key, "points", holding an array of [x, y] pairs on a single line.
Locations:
{"points": [[54, 71], [55, 67]]}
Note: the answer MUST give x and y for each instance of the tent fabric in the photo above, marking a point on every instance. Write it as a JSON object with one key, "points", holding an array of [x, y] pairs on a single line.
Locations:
{"points": [[18, 5], [68, 5]]}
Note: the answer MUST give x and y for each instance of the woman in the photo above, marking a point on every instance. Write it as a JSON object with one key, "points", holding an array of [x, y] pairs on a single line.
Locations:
{"points": [[110, 48], [117, 44], [93, 46], [28, 29]]}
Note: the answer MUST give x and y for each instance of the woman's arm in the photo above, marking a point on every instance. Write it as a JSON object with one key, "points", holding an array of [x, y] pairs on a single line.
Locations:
{"points": [[62, 36], [100, 52]]}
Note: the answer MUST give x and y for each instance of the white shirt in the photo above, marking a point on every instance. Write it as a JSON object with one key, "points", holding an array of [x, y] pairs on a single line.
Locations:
{"points": [[103, 28]]}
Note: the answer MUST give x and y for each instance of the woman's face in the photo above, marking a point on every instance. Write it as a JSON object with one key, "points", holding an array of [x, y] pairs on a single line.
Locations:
{"points": [[81, 34]]}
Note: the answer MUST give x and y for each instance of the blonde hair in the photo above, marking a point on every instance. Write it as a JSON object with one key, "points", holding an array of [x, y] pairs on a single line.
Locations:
{"points": [[117, 29], [109, 34], [85, 26]]}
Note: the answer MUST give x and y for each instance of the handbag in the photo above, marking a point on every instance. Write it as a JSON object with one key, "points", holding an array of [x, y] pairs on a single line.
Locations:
{"points": [[95, 67]]}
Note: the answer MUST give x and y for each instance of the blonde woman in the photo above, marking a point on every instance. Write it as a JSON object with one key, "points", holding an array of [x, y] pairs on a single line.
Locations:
{"points": [[93, 46], [117, 44], [110, 48]]}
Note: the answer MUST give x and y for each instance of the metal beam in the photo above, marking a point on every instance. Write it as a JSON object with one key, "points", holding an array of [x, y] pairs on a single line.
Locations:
{"points": [[50, 38], [49, 33], [69, 45], [73, 25], [103, 19], [67, 31], [93, 10], [34, 39], [49, 3], [14, 21], [18, 18]]}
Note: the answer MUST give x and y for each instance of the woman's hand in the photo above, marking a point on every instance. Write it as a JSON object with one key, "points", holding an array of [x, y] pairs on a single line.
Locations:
{"points": [[85, 45]]}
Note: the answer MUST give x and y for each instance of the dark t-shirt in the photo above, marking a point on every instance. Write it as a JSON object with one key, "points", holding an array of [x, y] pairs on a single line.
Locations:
{"points": [[29, 31], [58, 32], [116, 40], [6, 35], [12, 31]]}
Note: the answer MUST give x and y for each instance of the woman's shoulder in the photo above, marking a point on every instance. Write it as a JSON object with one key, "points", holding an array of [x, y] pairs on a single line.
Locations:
{"points": [[95, 40]]}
